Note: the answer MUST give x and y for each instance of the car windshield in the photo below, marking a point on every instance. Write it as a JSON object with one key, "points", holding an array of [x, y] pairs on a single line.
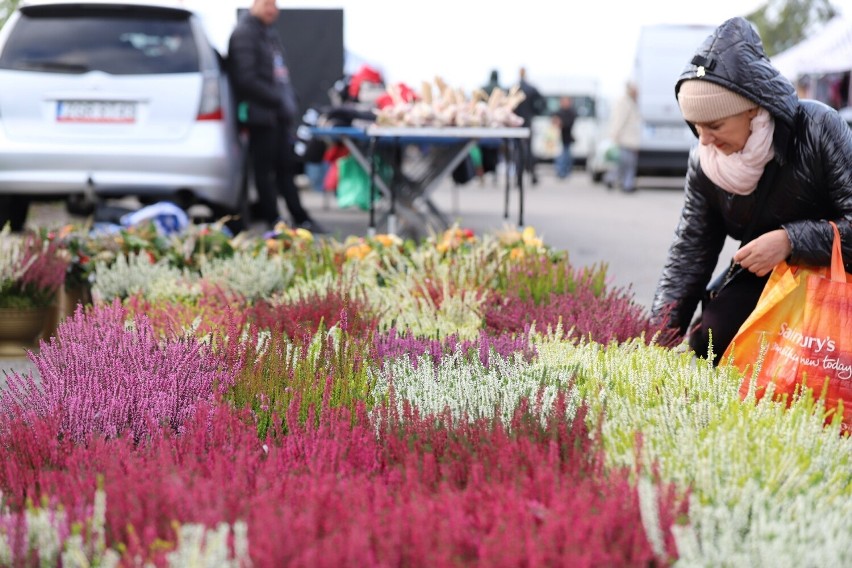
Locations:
{"points": [[120, 43]]}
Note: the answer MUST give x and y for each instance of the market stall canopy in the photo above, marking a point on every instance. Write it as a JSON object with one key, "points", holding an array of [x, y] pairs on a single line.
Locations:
{"points": [[827, 51]]}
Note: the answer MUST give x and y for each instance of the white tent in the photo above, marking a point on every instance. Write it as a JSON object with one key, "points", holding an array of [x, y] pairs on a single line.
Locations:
{"points": [[827, 51]]}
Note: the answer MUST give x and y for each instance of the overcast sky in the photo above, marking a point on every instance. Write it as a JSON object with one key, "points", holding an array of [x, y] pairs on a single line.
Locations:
{"points": [[462, 40]]}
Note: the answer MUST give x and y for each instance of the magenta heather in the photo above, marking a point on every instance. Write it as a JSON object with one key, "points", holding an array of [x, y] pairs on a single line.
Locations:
{"points": [[105, 375], [341, 491]]}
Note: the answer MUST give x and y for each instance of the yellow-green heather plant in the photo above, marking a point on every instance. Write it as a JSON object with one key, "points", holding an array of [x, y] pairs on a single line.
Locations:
{"points": [[430, 297], [746, 465]]}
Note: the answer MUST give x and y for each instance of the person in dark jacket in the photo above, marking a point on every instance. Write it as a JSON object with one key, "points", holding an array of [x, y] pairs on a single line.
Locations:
{"points": [[269, 109], [564, 119], [532, 105], [770, 170]]}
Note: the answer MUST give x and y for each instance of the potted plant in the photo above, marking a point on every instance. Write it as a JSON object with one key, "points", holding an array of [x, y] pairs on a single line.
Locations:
{"points": [[32, 270]]}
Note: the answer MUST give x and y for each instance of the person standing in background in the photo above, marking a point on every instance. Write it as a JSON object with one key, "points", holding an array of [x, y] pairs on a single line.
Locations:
{"points": [[493, 82], [269, 109], [532, 105], [564, 120], [626, 133]]}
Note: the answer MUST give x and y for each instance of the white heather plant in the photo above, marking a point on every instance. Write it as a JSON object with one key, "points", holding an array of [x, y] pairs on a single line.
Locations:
{"points": [[762, 530], [748, 466], [469, 389], [200, 547], [135, 273], [253, 276], [47, 535]]}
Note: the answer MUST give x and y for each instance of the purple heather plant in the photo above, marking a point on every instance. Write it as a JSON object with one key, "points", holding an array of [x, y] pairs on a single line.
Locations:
{"points": [[603, 317], [105, 373]]}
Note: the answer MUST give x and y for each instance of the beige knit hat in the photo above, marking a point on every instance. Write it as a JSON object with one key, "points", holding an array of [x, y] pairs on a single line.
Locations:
{"points": [[704, 101]]}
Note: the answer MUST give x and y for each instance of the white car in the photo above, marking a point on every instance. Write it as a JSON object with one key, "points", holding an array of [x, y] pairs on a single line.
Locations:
{"points": [[112, 99]]}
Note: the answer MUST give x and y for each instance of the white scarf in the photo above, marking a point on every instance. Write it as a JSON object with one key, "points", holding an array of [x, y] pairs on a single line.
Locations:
{"points": [[739, 172]]}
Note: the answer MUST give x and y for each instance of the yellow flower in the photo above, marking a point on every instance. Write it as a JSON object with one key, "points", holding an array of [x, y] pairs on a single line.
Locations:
{"points": [[305, 234], [387, 240], [516, 254], [529, 238]]}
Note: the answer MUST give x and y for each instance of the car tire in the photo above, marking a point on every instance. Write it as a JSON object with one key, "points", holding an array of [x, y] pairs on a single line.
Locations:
{"points": [[13, 210], [80, 205]]}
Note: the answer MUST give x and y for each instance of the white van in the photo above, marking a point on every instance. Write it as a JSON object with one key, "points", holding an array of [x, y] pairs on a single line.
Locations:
{"points": [[545, 139], [663, 52]]}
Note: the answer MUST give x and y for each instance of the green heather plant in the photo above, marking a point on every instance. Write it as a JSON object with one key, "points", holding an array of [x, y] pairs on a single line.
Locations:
{"points": [[252, 276], [329, 368], [137, 273]]}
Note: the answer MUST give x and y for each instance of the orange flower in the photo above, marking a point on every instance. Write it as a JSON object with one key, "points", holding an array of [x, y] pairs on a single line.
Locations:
{"points": [[358, 251]]}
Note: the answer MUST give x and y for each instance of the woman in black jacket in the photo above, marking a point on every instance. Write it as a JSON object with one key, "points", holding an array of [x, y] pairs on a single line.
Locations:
{"points": [[770, 170]]}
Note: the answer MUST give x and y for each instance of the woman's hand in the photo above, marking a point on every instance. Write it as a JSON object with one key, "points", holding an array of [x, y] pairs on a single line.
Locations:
{"points": [[762, 254]]}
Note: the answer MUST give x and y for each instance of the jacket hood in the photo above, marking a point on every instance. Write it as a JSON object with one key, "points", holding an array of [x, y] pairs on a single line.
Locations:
{"points": [[733, 57]]}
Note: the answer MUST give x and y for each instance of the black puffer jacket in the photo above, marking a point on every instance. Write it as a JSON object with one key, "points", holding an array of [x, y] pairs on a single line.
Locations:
{"points": [[251, 52], [813, 183]]}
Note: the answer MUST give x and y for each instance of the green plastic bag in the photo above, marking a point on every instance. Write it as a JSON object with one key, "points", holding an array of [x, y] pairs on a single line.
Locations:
{"points": [[353, 184]]}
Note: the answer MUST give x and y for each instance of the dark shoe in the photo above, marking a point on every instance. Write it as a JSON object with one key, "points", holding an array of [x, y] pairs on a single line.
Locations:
{"points": [[629, 189], [312, 226]]}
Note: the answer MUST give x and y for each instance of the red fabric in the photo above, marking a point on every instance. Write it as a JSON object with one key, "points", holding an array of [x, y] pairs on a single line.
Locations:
{"points": [[407, 93], [334, 152], [332, 175], [365, 73]]}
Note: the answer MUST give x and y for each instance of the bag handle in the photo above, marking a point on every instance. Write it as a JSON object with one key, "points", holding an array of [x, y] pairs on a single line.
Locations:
{"points": [[838, 271]]}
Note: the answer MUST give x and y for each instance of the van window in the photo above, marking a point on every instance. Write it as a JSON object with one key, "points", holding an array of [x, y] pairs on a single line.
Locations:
{"points": [[583, 105], [101, 40]]}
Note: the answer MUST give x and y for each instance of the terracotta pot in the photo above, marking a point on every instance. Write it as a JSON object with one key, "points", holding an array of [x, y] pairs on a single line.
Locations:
{"points": [[66, 304], [20, 330]]}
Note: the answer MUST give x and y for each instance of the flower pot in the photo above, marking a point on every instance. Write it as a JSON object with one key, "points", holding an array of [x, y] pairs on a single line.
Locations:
{"points": [[67, 300], [20, 330]]}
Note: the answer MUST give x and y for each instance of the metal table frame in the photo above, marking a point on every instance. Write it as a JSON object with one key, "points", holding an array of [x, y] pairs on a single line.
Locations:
{"points": [[452, 143]]}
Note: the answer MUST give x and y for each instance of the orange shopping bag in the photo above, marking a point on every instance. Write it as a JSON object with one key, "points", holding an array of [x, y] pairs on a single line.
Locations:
{"points": [[805, 317]]}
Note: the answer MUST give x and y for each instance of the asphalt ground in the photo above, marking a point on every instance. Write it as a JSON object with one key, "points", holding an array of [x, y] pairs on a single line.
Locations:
{"points": [[630, 233]]}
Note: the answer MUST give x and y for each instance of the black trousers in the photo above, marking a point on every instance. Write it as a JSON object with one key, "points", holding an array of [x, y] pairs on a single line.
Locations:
{"points": [[274, 170], [722, 315]]}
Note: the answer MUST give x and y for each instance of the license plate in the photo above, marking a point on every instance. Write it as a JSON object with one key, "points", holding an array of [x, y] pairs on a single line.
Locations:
{"points": [[109, 112]]}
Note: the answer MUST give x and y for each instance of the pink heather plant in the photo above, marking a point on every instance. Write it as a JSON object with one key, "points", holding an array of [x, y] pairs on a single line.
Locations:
{"points": [[37, 286], [338, 492], [104, 374], [394, 344]]}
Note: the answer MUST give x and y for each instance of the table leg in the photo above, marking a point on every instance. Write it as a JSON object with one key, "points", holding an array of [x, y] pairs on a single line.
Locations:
{"points": [[508, 154], [521, 186], [371, 229]]}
